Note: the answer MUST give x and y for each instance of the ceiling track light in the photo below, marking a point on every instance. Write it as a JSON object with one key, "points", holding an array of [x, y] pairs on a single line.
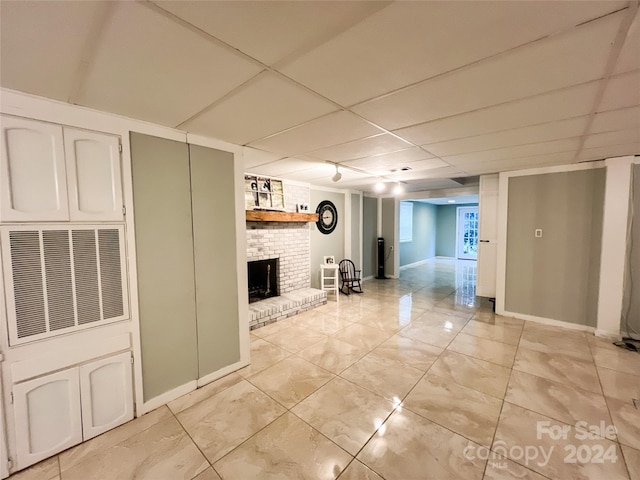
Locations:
{"points": [[337, 176], [398, 189], [379, 186]]}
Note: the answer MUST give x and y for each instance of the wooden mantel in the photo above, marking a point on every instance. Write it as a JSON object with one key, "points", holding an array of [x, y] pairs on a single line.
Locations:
{"points": [[265, 216]]}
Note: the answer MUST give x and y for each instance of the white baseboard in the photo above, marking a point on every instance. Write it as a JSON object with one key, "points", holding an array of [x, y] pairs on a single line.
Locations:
{"points": [[212, 377], [415, 264], [615, 336], [549, 321], [166, 397]]}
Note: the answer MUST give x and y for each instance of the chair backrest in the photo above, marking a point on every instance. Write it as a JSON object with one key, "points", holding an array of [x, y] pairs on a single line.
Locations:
{"points": [[347, 268]]}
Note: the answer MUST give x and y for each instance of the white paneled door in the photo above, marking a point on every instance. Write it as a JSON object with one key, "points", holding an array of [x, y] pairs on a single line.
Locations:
{"points": [[467, 248], [33, 183], [93, 174], [47, 416], [488, 231], [106, 390]]}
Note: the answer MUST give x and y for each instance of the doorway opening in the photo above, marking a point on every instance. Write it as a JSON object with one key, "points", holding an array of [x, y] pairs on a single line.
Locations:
{"points": [[467, 233]]}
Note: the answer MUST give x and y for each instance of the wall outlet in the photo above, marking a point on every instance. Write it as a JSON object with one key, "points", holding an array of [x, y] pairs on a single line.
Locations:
{"points": [[538, 233]]}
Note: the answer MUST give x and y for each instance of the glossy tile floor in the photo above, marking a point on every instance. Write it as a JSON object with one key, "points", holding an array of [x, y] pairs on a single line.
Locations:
{"points": [[414, 379]]}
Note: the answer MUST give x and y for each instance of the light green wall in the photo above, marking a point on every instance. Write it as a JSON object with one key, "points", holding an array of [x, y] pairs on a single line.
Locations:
{"points": [[369, 236], [389, 234], [321, 244], [164, 252], [555, 276], [447, 218], [631, 307], [423, 244], [214, 232]]}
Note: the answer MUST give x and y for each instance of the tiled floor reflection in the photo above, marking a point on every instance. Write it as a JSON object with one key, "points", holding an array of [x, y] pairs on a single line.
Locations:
{"points": [[414, 379]]}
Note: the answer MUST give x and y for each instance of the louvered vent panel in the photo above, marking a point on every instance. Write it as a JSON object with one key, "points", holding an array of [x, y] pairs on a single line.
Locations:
{"points": [[27, 283], [57, 266], [86, 272], [110, 273]]}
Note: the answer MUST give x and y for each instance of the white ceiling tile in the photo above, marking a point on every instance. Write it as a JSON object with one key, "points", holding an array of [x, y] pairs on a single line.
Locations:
{"points": [[609, 151], [427, 164], [390, 159], [553, 63], [569, 102], [253, 157], [266, 105], [573, 127], [535, 161], [465, 159], [621, 91], [270, 31], [41, 45], [445, 171], [340, 127], [410, 41], [619, 137], [616, 120], [430, 184], [365, 147], [629, 58], [287, 166], [150, 68]]}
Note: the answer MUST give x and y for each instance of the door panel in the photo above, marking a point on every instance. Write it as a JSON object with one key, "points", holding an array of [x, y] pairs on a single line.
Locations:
{"points": [[467, 245], [106, 392], [47, 414], [33, 180], [93, 173]]}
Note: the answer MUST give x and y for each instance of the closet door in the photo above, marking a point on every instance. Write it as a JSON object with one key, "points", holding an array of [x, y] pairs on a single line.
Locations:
{"points": [[164, 252], [33, 183], [488, 235], [215, 249], [93, 175]]}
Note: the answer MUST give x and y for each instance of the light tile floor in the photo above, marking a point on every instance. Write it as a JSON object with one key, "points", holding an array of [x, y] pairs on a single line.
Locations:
{"points": [[414, 379]]}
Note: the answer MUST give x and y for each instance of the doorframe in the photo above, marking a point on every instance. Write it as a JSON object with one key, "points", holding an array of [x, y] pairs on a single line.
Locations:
{"points": [[458, 209]]}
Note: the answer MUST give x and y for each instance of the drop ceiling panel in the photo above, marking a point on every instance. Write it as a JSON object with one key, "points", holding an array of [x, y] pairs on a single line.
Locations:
{"points": [[616, 120], [572, 127], [253, 157], [365, 147], [553, 63], [264, 106], [401, 157], [508, 164], [445, 171], [619, 137], [333, 129], [629, 58], [621, 91], [410, 41], [466, 159], [150, 68], [570, 102], [41, 45], [270, 31], [609, 151], [289, 165], [430, 184]]}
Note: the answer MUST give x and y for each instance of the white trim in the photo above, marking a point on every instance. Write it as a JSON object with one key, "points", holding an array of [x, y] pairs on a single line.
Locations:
{"points": [[415, 264], [613, 252], [347, 225], [167, 397], [396, 238], [361, 232], [503, 204], [223, 372], [214, 143], [549, 321], [442, 193]]}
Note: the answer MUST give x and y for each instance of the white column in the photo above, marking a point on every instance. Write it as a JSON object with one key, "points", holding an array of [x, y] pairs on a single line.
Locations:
{"points": [[614, 245]]}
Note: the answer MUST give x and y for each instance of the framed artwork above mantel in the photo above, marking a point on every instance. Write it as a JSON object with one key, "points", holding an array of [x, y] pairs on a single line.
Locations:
{"points": [[263, 193]]}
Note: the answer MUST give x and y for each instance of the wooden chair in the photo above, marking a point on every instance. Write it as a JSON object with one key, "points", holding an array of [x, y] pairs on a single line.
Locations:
{"points": [[350, 277]]}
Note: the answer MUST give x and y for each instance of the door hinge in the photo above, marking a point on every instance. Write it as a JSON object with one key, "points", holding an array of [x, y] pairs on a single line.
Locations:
{"points": [[11, 398], [131, 360], [124, 210], [9, 464], [120, 147]]}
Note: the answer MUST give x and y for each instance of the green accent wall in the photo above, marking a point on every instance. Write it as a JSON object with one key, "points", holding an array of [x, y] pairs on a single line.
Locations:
{"points": [[447, 218], [555, 276], [423, 244], [631, 307], [164, 252], [389, 213], [215, 250], [369, 236], [321, 244]]}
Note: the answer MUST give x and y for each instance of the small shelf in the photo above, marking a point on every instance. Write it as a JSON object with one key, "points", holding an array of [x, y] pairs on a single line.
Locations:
{"points": [[265, 216]]}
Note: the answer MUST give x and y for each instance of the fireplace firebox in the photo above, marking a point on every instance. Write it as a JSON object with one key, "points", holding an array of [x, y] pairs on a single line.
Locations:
{"points": [[262, 279]]}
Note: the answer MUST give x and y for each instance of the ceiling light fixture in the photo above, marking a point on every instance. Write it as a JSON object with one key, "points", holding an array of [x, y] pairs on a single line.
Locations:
{"points": [[337, 175], [397, 190], [379, 186], [451, 201]]}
